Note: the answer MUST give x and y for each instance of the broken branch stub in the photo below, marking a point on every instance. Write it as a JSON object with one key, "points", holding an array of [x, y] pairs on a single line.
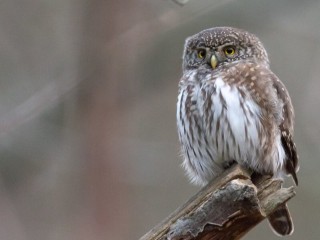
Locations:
{"points": [[227, 208]]}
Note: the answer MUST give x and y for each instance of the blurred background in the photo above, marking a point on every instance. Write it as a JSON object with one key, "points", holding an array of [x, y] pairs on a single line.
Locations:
{"points": [[88, 143]]}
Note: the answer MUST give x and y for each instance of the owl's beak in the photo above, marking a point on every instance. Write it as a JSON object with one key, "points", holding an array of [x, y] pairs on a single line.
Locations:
{"points": [[213, 61]]}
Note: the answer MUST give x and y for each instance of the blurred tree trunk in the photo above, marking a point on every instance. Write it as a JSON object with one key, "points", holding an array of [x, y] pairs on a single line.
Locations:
{"points": [[107, 63], [100, 111]]}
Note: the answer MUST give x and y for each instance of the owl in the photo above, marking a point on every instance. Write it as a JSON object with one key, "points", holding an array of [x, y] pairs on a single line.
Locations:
{"points": [[232, 108]]}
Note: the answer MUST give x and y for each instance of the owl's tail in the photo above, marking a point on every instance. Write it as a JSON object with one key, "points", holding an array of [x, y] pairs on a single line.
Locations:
{"points": [[281, 221]]}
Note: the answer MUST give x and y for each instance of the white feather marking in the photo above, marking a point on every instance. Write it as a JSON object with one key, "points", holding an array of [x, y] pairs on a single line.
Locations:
{"points": [[237, 119], [204, 158]]}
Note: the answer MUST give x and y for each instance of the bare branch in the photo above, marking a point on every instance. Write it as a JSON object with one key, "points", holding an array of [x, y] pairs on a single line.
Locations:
{"points": [[227, 208]]}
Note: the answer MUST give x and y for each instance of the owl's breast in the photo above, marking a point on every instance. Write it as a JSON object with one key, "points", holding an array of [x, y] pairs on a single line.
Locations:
{"points": [[231, 119], [217, 123]]}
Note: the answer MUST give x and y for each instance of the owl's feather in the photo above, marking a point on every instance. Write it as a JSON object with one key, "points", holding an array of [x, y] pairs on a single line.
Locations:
{"points": [[286, 128], [281, 221], [234, 110], [291, 163]]}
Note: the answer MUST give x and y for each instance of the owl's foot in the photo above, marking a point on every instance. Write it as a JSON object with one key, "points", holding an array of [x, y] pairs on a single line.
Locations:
{"points": [[227, 165]]}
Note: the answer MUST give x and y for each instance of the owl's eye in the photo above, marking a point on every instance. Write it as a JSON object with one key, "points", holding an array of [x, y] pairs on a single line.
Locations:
{"points": [[229, 51], [201, 53]]}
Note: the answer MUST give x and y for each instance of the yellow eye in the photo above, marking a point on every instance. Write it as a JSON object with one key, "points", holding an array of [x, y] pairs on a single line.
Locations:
{"points": [[229, 51], [201, 53]]}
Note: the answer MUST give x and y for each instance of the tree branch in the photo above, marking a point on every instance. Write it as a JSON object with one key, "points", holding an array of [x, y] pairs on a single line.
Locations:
{"points": [[227, 208]]}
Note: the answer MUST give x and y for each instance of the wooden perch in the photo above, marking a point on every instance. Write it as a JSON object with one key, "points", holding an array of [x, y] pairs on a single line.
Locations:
{"points": [[227, 208]]}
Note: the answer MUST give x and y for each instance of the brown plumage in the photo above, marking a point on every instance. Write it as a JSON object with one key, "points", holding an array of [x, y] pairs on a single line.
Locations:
{"points": [[232, 107]]}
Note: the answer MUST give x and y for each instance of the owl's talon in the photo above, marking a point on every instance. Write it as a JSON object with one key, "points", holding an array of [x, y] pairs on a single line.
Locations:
{"points": [[227, 165]]}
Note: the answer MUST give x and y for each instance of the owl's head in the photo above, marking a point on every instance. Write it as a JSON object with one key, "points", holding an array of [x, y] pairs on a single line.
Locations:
{"points": [[217, 47]]}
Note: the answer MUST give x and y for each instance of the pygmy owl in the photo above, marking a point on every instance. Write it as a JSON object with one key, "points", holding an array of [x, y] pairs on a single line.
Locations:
{"points": [[232, 108]]}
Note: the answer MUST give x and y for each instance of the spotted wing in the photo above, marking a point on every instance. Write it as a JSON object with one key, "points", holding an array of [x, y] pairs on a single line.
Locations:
{"points": [[286, 128]]}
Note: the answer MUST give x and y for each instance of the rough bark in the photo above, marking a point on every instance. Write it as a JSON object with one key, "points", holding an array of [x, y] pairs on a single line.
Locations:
{"points": [[227, 208]]}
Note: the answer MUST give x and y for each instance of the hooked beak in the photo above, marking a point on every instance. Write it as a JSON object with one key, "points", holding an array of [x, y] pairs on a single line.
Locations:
{"points": [[213, 61]]}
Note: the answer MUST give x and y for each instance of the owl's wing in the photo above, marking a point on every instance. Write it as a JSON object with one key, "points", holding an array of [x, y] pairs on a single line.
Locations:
{"points": [[291, 164], [286, 128]]}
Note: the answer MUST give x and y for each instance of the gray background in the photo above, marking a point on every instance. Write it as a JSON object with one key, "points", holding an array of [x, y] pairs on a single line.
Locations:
{"points": [[88, 143]]}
